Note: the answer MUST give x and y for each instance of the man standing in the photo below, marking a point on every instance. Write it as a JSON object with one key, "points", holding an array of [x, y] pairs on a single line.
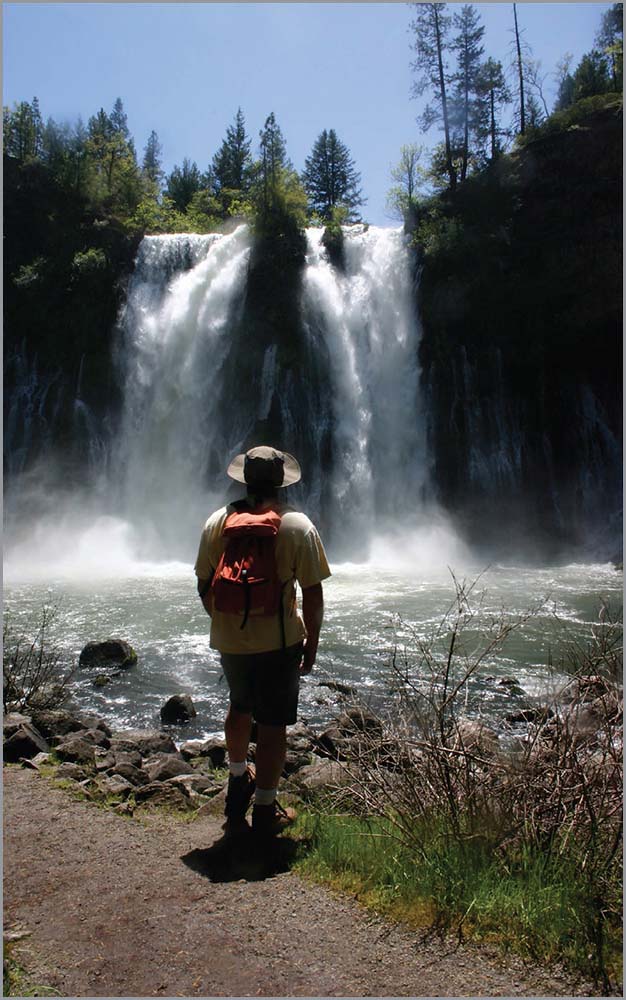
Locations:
{"points": [[251, 555]]}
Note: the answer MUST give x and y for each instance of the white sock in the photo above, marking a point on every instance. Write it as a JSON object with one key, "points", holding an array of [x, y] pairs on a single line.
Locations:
{"points": [[237, 768], [264, 796]]}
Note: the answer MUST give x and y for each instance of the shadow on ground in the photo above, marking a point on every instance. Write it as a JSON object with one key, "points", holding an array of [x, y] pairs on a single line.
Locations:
{"points": [[230, 859]]}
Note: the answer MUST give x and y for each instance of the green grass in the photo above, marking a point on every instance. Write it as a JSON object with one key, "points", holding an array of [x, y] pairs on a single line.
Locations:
{"points": [[536, 905], [16, 981]]}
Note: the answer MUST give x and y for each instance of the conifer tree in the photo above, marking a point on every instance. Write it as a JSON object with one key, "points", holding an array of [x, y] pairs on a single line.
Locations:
{"points": [[330, 178], [232, 164], [273, 159], [431, 27], [494, 93], [465, 111], [182, 184], [152, 159]]}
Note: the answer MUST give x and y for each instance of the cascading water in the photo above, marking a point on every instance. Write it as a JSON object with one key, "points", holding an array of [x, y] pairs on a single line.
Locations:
{"points": [[367, 318], [174, 340]]}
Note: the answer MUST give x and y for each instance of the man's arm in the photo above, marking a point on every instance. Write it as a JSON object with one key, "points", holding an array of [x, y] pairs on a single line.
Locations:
{"points": [[313, 614], [204, 590]]}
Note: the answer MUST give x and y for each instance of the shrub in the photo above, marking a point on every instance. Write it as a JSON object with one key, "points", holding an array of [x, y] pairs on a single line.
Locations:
{"points": [[35, 674]]}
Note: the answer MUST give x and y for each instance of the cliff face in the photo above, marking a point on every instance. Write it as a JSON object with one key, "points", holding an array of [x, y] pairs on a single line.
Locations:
{"points": [[520, 299], [64, 281]]}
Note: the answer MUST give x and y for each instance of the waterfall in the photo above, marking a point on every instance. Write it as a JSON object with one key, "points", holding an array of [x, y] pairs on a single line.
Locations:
{"points": [[367, 318], [174, 340]]}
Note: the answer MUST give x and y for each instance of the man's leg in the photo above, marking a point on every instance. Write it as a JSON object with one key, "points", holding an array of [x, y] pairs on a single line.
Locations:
{"points": [[237, 728], [271, 748]]}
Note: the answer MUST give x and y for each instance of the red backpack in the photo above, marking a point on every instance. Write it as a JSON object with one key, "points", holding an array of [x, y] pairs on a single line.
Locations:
{"points": [[246, 579]]}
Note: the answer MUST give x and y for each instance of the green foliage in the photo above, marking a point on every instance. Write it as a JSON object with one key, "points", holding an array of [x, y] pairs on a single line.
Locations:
{"points": [[232, 164], [573, 116], [183, 183], [31, 274], [330, 178], [88, 262]]}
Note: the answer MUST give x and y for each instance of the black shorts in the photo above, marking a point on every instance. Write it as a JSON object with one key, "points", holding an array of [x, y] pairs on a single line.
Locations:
{"points": [[265, 684]]}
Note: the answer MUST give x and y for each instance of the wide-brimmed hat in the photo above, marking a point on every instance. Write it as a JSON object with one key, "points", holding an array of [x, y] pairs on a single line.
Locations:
{"points": [[265, 465]]}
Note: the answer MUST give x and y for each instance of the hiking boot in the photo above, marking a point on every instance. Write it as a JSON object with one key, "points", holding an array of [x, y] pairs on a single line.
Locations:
{"points": [[268, 821], [238, 795]]}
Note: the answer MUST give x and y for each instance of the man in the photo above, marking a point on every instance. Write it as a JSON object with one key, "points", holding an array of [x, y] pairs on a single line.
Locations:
{"points": [[263, 652]]}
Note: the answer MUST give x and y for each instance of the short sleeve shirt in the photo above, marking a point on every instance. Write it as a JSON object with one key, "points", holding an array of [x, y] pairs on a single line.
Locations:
{"points": [[300, 558]]}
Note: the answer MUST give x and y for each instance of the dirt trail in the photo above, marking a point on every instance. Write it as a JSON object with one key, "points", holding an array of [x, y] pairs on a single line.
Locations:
{"points": [[117, 907]]}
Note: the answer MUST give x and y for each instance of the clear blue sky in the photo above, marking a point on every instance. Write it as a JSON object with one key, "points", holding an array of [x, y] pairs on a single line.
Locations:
{"points": [[184, 69]]}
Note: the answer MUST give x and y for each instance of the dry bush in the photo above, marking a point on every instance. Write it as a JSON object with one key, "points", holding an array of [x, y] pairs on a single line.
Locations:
{"points": [[35, 674]]}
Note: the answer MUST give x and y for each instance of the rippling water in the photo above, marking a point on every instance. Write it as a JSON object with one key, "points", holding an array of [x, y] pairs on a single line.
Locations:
{"points": [[370, 610]]}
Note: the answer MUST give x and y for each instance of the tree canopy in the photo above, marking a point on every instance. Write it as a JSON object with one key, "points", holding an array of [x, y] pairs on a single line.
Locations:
{"points": [[330, 178]]}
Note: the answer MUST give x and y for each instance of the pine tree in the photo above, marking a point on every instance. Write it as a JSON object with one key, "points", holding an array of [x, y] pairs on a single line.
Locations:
{"points": [[466, 102], [152, 159], [232, 164], [23, 131], [494, 92], [610, 41], [273, 159], [182, 184], [330, 178], [431, 27]]}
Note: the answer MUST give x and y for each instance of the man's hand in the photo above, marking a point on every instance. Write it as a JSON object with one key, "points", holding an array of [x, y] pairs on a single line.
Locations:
{"points": [[312, 613], [204, 591]]}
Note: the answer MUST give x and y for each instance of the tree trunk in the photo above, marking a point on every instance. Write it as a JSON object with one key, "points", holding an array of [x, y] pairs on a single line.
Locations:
{"points": [[444, 102], [520, 70]]}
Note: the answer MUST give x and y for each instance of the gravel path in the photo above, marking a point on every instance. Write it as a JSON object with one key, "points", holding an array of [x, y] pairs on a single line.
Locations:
{"points": [[117, 906]]}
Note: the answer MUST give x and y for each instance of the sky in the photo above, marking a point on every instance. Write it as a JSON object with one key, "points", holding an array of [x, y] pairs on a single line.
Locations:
{"points": [[183, 69]]}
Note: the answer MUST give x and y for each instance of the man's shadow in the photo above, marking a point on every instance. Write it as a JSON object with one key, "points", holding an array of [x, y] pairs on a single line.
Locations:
{"points": [[244, 856]]}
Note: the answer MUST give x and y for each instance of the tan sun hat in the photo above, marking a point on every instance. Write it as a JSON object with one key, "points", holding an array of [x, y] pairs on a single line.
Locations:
{"points": [[265, 465]]}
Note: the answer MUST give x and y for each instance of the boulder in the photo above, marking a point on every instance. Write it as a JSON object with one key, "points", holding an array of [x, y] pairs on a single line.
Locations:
{"points": [[108, 655], [24, 741], [76, 751], [317, 776], [95, 737], [70, 771], [113, 784], [166, 766], [159, 793], [359, 720], [475, 737], [196, 783], [104, 759], [12, 722], [343, 689], [129, 757], [295, 760], [56, 722], [214, 750], [179, 708], [130, 773], [145, 741]]}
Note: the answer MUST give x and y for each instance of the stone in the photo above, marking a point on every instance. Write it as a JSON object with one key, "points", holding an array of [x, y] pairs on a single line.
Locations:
{"points": [[358, 719], [344, 689], [166, 766], [196, 783], [129, 757], [95, 737], [12, 722], [104, 759], [130, 773], [214, 750], [76, 751], [24, 741], [145, 741], [114, 784], [159, 793], [109, 654], [295, 760], [318, 776], [179, 708], [70, 771], [55, 722], [101, 680], [475, 737]]}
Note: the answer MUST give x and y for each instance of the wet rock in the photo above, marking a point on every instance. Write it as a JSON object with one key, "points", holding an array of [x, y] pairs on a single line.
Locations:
{"points": [[108, 655], [529, 715], [475, 736], [359, 720], [24, 741], [76, 751], [177, 709], [214, 750], [162, 794], [344, 689], [166, 766], [101, 680]]}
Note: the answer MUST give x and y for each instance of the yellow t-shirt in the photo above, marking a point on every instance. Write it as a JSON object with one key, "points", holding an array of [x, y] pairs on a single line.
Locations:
{"points": [[300, 557]]}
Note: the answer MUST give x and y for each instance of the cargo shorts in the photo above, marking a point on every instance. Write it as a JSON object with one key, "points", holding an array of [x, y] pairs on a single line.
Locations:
{"points": [[265, 684]]}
